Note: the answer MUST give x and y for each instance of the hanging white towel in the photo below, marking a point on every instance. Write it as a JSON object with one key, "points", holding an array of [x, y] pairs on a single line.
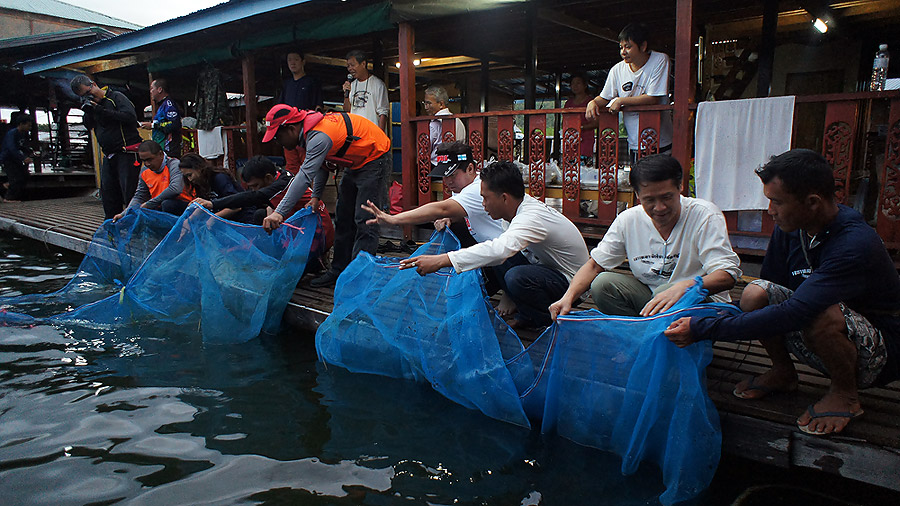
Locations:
{"points": [[733, 138], [209, 143]]}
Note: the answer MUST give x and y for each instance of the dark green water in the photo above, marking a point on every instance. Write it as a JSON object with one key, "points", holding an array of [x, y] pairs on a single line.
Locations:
{"points": [[139, 417]]}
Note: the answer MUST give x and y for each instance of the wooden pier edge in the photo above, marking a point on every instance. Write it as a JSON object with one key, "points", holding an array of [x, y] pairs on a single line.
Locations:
{"points": [[763, 430]]}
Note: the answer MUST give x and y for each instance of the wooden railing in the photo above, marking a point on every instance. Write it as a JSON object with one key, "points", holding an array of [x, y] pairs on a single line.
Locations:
{"points": [[846, 118], [534, 153]]}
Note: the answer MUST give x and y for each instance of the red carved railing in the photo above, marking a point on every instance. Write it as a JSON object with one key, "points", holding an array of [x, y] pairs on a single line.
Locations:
{"points": [[535, 153]]}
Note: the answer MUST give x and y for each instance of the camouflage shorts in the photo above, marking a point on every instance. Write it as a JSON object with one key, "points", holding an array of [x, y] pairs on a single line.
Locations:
{"points": [[871, 353]]}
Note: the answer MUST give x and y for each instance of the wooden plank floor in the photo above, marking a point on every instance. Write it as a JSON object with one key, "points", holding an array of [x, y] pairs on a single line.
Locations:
{"points": [[764, 430]]}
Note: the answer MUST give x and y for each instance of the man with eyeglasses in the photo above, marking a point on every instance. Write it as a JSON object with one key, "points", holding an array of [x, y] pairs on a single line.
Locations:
{"points": [[436, 100], [114, 121], [668, 241]]}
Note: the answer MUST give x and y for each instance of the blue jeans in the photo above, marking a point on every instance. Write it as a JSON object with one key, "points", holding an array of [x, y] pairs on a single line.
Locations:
{"points": [[533, 288]]}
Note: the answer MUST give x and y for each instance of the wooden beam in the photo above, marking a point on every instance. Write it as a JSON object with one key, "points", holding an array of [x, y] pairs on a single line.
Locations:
{"points": [[530, 56], [94, 67], [684, 93], [406, 46], [248, 65], [579, 25]]}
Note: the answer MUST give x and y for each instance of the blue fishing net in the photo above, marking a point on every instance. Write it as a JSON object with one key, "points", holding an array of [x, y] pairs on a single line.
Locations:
{"points": [[614, 383], [437, 328], [618, 384], [225, 280], [114, 254]]}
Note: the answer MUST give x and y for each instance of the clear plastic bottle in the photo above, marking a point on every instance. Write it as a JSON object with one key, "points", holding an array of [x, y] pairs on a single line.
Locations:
{"points": [[880, 68]]}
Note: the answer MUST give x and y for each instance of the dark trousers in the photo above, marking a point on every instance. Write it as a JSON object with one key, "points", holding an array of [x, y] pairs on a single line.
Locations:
{"points": [[17, 173], [118, 182], [533, 288], [352, 235], [174, 206]]}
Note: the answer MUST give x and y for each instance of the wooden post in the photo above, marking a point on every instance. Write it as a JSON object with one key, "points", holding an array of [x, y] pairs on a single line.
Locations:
{"points": [[485, 81], [249, 75], [406, 45], [682, 131], [557, 118], [153, 104], [530, 57], [766, 48]]}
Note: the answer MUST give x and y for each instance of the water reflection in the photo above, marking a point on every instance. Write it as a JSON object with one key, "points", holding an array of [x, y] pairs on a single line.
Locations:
{"points": [[151, 416]]}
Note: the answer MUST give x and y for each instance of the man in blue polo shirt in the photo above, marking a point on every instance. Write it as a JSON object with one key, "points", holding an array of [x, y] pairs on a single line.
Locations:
{"points": [[829, 294]]}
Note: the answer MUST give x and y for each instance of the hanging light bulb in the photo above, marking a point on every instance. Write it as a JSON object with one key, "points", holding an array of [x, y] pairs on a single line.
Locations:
{"points": [[820, 25]]}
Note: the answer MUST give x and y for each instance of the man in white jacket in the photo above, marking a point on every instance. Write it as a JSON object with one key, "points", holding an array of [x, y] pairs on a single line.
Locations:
{"points": [[668, 241], [552, 244]]}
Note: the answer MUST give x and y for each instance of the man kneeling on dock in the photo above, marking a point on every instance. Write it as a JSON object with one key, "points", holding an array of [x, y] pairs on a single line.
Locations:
{"points": [[668, 241], [160, 186], [464, 211], [829, 294], [552, 244]]}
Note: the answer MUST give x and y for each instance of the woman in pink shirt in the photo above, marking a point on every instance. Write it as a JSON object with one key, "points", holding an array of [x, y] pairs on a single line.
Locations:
{"points": [[580, 99]]}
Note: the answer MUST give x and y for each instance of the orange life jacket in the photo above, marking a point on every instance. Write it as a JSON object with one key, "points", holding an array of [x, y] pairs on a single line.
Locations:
{"points": [[157, 183], [369, 143]]}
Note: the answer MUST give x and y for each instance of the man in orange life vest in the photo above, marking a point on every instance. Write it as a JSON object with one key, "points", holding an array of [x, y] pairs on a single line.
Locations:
{"points": [[161, 186], [350, 141]]}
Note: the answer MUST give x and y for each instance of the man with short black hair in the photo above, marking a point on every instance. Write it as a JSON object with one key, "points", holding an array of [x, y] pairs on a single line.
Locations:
{"points": [[15, 156], [112, 117], [668, 241], [161, 186], [364, 93], [302, 91], [166, 124], [829, 294], [436, 101], [553, 245], [641, 78]]}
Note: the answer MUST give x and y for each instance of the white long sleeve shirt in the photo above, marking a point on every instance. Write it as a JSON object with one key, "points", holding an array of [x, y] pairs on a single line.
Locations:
{"points": [[546, 236]]}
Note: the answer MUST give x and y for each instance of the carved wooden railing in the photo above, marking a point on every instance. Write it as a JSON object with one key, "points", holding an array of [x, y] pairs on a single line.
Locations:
{"points": [[535, 155]]}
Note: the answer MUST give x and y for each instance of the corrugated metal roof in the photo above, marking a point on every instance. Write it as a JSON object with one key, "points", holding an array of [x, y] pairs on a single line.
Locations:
{"points": [[66, 11]]}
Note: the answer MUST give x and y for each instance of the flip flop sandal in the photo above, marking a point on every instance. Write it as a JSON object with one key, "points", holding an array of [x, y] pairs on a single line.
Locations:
{"points": [[753, 387], [826, 414]]}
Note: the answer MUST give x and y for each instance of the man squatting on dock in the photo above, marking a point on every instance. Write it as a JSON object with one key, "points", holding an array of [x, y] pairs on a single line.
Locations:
{"points": [[829, 294]]}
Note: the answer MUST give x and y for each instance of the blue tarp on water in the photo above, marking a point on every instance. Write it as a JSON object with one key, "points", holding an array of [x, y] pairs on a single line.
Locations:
{"points": [[613, 383], [227, 280]]}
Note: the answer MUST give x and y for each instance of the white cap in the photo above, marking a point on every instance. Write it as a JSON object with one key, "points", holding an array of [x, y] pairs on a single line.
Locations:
{"points": [[883, 47]]}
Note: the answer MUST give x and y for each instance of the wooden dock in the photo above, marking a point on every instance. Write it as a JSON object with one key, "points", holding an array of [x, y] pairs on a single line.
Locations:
{"points": [[764, 430]]}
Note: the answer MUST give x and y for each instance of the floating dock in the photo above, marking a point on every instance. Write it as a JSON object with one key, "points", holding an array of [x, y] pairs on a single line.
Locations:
{"points": [[763, 430]]}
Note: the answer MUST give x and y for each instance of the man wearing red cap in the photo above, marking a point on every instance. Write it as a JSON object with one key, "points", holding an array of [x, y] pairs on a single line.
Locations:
{"points": [[347, 140]]}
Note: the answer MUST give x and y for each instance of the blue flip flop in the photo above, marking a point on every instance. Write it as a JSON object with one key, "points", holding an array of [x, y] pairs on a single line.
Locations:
{"points": [[826, 414]]}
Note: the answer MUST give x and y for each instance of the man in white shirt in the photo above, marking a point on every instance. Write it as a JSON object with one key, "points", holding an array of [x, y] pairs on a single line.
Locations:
{"points": [[552, 244], [436, 100], [364, 93], [641, 78], [668, 241]]}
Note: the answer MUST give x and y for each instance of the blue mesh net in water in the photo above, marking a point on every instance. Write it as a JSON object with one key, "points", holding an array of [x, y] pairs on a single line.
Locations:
{"points": [[226, 280], [435, 328], [613, 383]]}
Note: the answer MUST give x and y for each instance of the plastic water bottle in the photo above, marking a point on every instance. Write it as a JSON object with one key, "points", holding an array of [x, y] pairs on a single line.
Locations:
{"points": [[880, 68]]}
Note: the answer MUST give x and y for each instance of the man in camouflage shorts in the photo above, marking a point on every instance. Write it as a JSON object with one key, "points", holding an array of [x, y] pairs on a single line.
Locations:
{"points": [[829, 294]]}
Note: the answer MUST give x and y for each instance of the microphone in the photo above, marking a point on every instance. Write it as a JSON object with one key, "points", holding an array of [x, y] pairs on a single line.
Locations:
{"points": [[350, 78]]}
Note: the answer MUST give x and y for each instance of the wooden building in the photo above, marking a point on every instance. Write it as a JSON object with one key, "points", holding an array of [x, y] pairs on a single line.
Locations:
{"points": [[504, 58]]}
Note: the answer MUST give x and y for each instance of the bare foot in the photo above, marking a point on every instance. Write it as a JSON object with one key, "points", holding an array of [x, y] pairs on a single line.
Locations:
{"points": [[506, 307], [831, 414], [767, 383]]}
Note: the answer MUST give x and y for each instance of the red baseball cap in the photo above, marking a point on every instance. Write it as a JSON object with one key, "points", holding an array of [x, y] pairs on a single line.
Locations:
{"points": [[279, 115]]}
